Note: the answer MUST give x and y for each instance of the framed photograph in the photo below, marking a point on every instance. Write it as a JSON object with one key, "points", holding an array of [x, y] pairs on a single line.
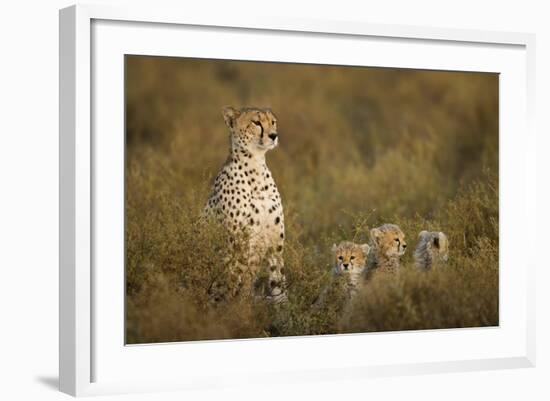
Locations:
{"points": [[290, 200]]}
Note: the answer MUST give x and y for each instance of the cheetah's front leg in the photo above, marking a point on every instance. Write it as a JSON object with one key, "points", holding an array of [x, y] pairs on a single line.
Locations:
{"points": [[277, 292]]}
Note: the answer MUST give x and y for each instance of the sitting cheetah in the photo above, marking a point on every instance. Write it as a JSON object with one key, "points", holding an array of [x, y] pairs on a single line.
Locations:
{"points": [[348, 274], [350, 261], [387, 245], [432, 250], [247, 200]]}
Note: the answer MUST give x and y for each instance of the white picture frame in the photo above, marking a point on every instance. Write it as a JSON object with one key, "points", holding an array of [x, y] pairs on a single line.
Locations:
{"points": [[86, 352]]}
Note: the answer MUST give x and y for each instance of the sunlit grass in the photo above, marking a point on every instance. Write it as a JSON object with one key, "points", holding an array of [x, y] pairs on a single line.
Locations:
{"points": [[359, 147]]}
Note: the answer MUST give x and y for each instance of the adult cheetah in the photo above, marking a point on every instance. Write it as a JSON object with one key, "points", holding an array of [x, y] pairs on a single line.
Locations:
{"points": [[247, 200]]}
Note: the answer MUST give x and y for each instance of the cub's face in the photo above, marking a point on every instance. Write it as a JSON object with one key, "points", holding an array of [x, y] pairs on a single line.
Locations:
{"points": [[389, 240], [252, 129], [437, 243], [349, 257]]}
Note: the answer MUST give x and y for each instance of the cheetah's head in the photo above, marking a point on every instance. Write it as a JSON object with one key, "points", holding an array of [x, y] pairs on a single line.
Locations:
{"points": [[389, 240], [436, 243], [252, 129], [350, 258]]}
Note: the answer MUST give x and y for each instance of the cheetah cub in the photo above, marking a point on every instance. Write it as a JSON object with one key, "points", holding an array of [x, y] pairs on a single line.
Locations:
{"points": [[348, 275], [432, 250], [246, 200], [350, 261], [388, 246]]}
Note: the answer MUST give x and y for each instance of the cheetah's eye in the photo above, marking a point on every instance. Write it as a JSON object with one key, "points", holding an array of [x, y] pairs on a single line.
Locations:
{"points": [[340, 258], [397, 239], [258, 124], [351, 257]]}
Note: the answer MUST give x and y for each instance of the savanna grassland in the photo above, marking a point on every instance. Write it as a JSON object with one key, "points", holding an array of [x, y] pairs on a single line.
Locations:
{"points": [[359, 147]]}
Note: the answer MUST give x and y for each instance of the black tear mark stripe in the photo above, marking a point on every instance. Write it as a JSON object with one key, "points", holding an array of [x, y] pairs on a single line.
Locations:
{"points": [[261, 127]]}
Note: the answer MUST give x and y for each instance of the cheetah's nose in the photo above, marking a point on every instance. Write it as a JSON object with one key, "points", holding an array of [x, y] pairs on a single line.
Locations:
{"points": [[346, 265], [273, 136]]}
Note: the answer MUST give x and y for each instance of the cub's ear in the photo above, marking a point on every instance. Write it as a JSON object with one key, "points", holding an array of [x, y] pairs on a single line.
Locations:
{"points": [[375, 235], [334, 248], [443, 238], [422, 233], [436, 240], [365, 248], [230, 114]]}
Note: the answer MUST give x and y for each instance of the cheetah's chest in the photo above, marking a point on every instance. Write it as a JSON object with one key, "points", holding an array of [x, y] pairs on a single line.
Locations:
{"points": [[246, 196], [265, 202]]}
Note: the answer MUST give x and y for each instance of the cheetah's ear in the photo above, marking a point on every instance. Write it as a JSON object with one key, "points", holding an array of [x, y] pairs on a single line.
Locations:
{"points": [[439, 239], [229, 115], [365, 248], [375, 235], [443, 238], [334, 248], [422, 233]]}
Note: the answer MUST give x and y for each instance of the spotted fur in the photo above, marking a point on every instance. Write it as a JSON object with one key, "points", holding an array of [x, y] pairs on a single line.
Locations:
{"points": [[388, 245], [245, 198], [348, 275], [350, 260]]}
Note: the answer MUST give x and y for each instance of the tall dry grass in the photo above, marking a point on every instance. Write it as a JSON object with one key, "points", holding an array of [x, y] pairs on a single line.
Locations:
{"points": [[358, 147]]}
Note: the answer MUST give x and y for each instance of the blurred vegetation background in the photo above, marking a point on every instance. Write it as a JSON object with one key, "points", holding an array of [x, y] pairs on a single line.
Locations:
{"points": [[359, 147]]}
